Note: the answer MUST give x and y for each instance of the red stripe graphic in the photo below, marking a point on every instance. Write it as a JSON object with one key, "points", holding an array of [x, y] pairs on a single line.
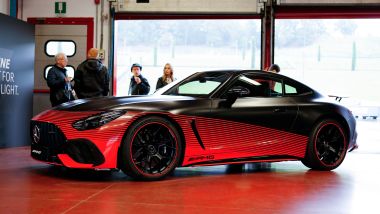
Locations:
{"points": [[222, 139]]}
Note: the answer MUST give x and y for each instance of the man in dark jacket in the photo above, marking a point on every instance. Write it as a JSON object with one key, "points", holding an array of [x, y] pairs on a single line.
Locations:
{"points": [[91, 77], [139, 85], [58, 82]]}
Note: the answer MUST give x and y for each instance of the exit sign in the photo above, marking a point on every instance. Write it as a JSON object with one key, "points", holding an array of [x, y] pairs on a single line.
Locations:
{"points": [[60, 7]]}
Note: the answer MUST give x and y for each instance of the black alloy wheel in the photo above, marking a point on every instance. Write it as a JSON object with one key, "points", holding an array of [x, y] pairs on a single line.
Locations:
{"points": [[327, 146], [151, 149]]}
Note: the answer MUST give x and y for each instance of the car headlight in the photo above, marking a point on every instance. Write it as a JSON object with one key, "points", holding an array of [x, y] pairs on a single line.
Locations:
{"points": [[95, 121]]}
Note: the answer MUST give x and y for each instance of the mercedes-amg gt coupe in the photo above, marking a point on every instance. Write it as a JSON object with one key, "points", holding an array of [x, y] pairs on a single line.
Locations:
{"points": [[208, 118]]}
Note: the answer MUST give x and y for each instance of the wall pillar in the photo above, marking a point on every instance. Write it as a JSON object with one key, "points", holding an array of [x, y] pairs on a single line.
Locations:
{"points": [[268, 35], [13, 8]]}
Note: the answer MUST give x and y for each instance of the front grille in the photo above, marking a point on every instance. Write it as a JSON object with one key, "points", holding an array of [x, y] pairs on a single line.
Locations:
{"points": [[50, 142]]}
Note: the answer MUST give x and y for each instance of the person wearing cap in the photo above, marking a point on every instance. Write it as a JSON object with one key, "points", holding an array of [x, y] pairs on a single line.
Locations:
{"points": [[139, 85]]}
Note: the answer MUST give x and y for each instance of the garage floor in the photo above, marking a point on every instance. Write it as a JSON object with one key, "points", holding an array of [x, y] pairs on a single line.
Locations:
{"points": [[29, 186]]}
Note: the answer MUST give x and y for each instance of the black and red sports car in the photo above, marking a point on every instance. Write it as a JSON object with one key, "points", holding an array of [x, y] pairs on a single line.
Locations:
{"points": [[209, 118]]}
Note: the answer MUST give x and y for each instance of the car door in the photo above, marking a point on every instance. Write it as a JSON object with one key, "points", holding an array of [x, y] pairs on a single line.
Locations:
{"points": [[255, 123]]}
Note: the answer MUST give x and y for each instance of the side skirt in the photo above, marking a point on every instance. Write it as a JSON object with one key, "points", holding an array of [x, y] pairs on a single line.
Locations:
{"points": [[278, 158]]}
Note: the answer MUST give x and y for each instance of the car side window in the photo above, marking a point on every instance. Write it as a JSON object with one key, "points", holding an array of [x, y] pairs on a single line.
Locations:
{"points": [[290, 89], [255, 86], [293, 89]]}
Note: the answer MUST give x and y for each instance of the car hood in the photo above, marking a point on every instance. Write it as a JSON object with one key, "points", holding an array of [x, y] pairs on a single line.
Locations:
{"points": [[152, 102]]}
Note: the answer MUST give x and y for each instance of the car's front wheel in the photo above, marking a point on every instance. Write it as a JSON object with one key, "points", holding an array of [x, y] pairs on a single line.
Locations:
{"points": [[327, 146], [151, 149]]}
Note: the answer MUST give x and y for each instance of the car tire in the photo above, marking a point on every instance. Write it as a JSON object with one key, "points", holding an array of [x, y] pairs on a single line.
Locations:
{"points": [[327, 146], [151, 150]]}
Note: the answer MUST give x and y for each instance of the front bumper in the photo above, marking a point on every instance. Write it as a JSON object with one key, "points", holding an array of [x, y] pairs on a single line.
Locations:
{"points": [[55, 141], [49, 144]]}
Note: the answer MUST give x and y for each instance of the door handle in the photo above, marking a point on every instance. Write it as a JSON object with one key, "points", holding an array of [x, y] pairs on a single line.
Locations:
{"points": [[279, 110]]}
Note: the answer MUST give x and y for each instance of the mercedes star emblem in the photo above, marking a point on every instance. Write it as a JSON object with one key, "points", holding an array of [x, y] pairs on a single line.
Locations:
{"points": [[36, 134]]}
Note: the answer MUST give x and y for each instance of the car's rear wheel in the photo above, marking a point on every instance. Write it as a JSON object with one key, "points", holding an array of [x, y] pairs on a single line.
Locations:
{"points": [[151, 149], [327, 146]]}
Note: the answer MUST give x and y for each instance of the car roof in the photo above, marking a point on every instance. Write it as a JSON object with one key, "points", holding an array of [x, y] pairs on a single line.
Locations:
{"points": [[242, 71], [237, 72]]}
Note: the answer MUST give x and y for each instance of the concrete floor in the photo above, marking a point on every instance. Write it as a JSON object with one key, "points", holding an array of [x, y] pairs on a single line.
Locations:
{"points": [[29, 186]]}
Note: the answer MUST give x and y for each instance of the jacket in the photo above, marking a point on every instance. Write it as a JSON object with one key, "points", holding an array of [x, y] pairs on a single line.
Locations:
{"points": [[161, 83], [91, 79], [139, 89], [59, 89]]}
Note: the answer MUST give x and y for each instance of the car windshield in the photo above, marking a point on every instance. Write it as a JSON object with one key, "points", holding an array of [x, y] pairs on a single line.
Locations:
{"points": [[200, 84], [166, 87]]}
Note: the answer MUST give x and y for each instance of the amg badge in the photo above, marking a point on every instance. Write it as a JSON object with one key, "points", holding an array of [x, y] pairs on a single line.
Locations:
{"points": [[201, 158]]}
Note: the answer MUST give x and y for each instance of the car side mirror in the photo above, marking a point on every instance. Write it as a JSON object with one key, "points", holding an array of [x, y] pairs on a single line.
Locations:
{"points": [[202, 80]]}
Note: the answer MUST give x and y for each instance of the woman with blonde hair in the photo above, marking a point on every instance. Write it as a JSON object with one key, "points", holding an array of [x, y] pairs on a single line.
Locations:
{"points": [[167, 76]]}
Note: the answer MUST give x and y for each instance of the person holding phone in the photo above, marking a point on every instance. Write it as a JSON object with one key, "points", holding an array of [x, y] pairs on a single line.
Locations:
{"points": [[139, 85]]}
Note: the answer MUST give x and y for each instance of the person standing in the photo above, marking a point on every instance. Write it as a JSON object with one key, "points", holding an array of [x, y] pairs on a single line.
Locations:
{"points": [[139, 85], [167, 76], [58, 81], [91, 77]]}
